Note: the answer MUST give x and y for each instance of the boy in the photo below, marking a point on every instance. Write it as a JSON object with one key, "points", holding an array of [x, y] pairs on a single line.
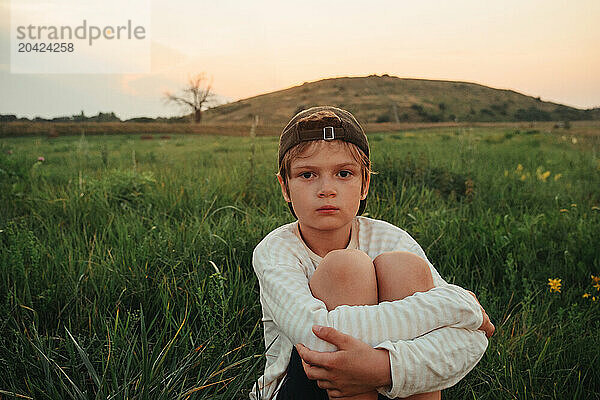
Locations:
{"points": [[351, 306]]}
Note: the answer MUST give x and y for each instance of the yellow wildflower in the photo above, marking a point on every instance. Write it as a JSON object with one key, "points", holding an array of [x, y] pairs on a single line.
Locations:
{"points": [[595, 208], [564, 210], [594, 298], [523, 177], [573, 205], [586, 295], [505, 172], [596, 279], [557, 177], [554, 284], [597, 286], [542, 176]]}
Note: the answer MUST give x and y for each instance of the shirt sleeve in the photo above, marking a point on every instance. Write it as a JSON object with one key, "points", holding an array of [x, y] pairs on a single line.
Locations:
{"points": [[435, 361], [438, 359], [287, 297]]}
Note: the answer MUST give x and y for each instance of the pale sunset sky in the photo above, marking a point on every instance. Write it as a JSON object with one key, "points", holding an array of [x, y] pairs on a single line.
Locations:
{"points": [[545, 48]]}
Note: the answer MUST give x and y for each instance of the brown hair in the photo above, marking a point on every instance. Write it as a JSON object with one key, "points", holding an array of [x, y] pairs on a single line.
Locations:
{"points": [[359, 156]]}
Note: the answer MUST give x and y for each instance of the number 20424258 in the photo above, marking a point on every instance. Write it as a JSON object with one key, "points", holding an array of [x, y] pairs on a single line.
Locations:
{"points": [[45, 47]]}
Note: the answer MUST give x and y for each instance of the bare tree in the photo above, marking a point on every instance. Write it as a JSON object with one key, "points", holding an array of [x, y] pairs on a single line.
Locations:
{"points": [[195, 96]]}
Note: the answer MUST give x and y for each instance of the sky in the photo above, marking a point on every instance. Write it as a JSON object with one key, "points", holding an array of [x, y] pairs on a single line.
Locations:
{"points": [[545, 48]]}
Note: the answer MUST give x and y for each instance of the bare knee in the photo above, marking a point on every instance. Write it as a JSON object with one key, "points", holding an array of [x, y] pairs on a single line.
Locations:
{"points": [[401, 274], [345, 276], [345, 265]]}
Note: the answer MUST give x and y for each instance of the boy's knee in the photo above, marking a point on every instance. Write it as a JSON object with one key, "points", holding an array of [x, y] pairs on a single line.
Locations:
{"points": [[345, 277], [346, 264], [413, 270]]}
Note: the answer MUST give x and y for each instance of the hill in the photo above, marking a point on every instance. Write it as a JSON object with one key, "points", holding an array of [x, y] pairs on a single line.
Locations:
{"points": [[391, 99]]}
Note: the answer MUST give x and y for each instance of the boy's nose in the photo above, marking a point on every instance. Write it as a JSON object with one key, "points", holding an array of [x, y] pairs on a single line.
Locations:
{"points": [[326, 193], [327, 189]]}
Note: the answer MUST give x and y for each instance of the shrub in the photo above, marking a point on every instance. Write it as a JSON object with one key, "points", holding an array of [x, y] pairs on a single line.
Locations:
{"points": [[7, 117], [532, 114], [383, 118], [417, 107], [500, 108]]}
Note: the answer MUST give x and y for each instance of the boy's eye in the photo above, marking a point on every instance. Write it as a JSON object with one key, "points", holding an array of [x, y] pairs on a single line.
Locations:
{"points": [[345, 174], [306, 175]]}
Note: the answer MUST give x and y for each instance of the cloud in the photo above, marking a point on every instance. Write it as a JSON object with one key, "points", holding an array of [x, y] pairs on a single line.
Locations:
{"points": [[164, 59], [170, 71]]}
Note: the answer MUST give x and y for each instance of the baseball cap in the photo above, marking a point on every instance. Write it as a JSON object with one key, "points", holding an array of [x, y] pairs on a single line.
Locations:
{"points": [[323, 123]]}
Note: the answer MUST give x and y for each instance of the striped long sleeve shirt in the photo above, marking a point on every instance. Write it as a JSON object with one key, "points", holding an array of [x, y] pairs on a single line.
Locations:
{"points": [[432, 336]]}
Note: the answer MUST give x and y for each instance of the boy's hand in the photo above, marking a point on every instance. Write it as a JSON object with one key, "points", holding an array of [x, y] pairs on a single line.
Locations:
{"points": [[353, 369], [487, 325]]}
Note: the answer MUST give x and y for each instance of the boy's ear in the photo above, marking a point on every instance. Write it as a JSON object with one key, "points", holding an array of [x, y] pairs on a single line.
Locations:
{"points": [[366, 191], [285, 196]]}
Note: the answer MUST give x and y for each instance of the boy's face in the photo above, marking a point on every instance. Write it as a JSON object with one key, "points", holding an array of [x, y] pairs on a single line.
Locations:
{"points": [[328, 177]]}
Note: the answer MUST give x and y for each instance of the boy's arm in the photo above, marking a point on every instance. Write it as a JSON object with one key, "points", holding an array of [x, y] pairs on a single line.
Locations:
{"points": [[286, 294], [435, 361], [438, 359]]}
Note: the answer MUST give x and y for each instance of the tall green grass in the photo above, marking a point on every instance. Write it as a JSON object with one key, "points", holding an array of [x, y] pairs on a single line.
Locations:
{"points": [[125, 265]]}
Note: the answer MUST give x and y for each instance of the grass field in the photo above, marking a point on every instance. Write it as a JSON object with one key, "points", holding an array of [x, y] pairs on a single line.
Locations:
{"points": [[125, 264]]}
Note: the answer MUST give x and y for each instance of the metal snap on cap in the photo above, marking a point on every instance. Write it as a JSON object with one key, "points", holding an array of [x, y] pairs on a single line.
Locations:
{"points": [[328, 133]]}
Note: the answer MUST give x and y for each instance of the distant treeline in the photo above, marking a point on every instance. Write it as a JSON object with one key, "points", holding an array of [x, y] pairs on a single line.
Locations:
{"points": [[53, 129], [495, 113], [415, 113], [100, 117]]}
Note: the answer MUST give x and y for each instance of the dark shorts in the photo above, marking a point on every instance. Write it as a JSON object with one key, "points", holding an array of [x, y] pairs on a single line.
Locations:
{"points": [[297, 386]]}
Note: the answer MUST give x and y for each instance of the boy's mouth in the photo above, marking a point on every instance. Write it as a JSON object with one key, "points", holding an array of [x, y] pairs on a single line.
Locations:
{"points": [[327, 208]]}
